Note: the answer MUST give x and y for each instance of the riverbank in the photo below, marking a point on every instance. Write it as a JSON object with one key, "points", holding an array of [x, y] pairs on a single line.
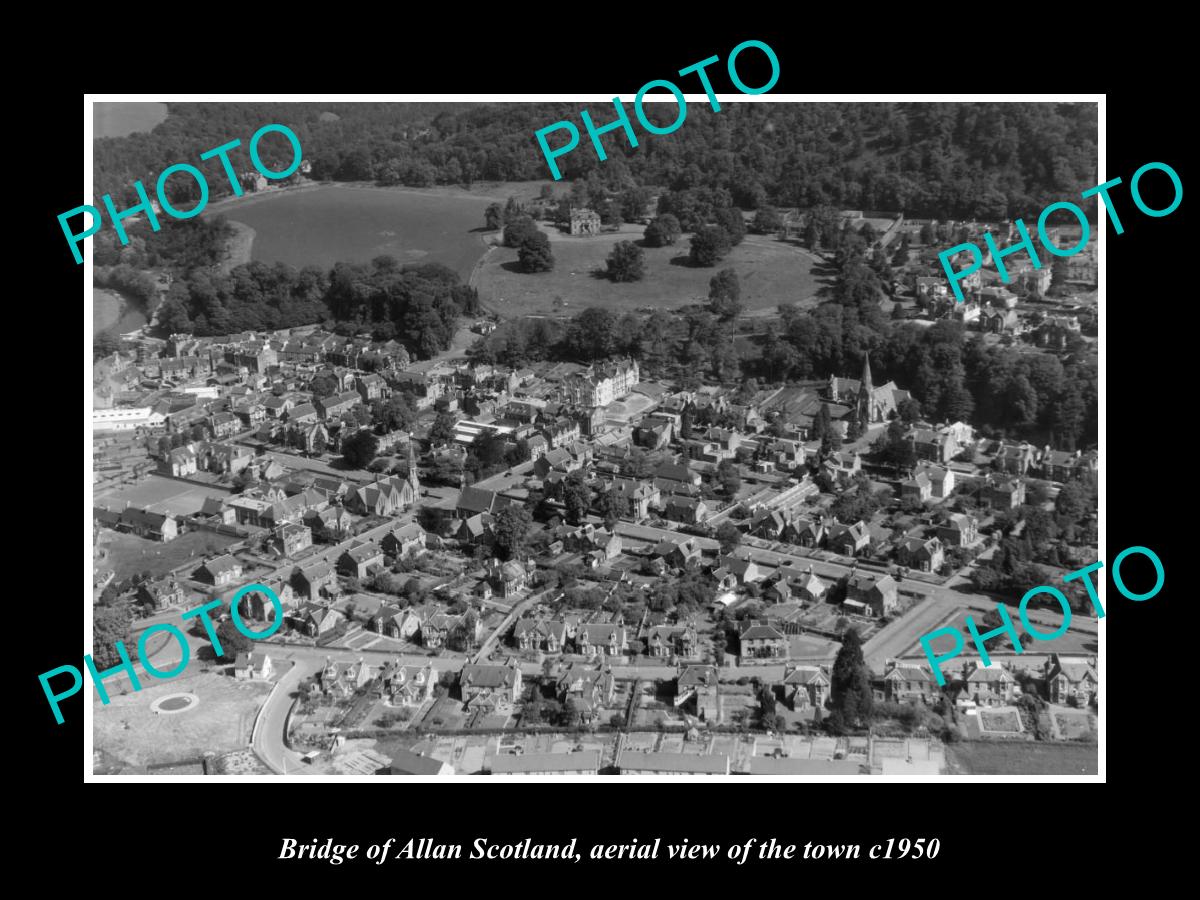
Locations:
{"points": [[240, 247]]}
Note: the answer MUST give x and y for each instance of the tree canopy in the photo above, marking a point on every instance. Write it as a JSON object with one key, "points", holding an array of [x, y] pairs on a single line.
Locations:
{"points": [[625, 262], [850, 682]]}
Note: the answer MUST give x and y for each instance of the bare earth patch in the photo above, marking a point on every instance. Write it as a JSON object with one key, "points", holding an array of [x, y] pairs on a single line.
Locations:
{"points": [[223, 720]]}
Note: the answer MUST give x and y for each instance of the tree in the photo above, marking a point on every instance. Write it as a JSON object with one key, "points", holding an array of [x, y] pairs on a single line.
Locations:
{"points": [[592, 334], [1040, 526], [832, 440], [625, 263], [577, 497], [766, 704], [323, 386], [662, 231], [232, 641], [724, 294], [395, 413], [359, 449], [732, 223], [729, 476], [1073, 501], [173, 317], [109, 625], [709, 246], [854, 429], [442, 430], [512, 211], [633, 202], [510, 529], [850, 682], [1059, 271], [892, 448], [613, 506], [822, 427], [729, 535], [767, 220], [685, 423], [909, 411], [493, 217], [535, 254], [520, 230]]}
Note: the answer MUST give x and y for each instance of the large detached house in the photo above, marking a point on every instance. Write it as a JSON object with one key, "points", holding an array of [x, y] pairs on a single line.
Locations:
{"points": [[805, 687], [758, 639], [491, 688], [1070, 679], [871, 595]]}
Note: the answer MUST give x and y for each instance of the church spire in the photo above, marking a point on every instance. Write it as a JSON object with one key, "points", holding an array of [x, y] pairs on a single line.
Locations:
{"points": [[414, 483], [866, 393]]}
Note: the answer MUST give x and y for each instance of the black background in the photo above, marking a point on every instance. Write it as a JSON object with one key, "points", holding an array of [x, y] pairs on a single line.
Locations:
{"points": [[1004, 832]]}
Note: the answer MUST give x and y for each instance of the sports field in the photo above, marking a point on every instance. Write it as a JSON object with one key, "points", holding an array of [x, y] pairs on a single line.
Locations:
{"points": [[771, 272], [1022, 758], [128, 554], [159, 494]]}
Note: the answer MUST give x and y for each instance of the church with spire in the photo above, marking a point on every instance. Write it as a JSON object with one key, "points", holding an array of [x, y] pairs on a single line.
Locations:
{"points": [[871, 404], [388, 496]]}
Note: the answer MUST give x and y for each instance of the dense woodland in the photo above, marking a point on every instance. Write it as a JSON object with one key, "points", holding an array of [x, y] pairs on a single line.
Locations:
{"points": [[960, 160], [418, 305]]}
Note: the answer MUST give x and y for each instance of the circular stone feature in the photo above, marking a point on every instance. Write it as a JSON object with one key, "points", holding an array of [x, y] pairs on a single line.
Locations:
{"points": [[174, 703]]}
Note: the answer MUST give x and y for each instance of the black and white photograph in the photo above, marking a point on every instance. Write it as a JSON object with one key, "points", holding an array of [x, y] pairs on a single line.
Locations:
{"points": [[490, 438]]}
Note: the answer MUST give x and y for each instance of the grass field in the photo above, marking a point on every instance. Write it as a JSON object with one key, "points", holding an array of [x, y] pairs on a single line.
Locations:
{"points": [[1001, 758], [178, 498], [771, 273], [1073, 643], [129, 731], [329, 223], [129, 554]]}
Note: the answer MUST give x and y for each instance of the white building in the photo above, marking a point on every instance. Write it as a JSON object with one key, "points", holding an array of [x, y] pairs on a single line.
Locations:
{"points": [[126, 418]]}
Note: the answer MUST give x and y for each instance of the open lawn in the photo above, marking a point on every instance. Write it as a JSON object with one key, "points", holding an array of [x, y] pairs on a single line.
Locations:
{"points": [[129, 554], [1076, 642], [771, 272], [1025, 758], [223, 720]]}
